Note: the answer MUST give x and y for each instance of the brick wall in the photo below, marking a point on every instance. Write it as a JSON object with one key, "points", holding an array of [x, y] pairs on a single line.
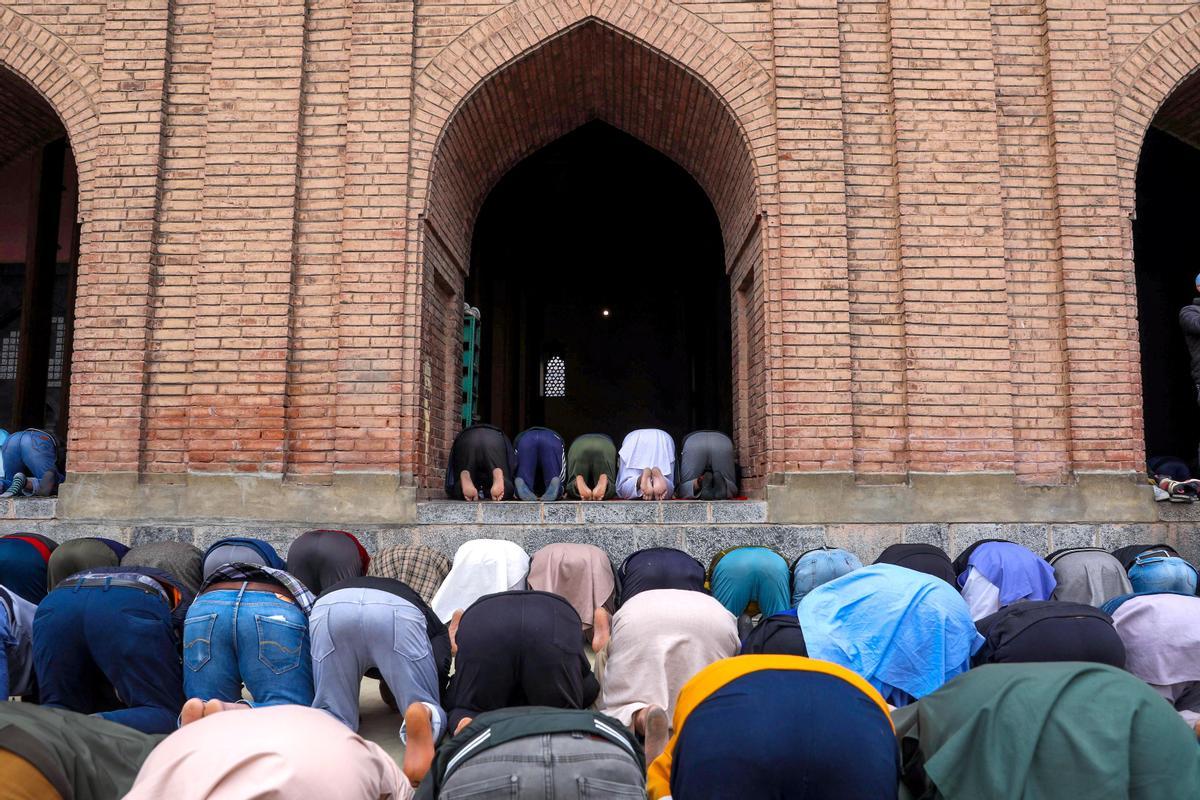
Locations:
{"points": [[924, 211]]}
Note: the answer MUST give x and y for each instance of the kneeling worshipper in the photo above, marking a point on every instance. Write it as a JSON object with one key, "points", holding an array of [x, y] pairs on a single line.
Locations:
{"points": [[999, 574], [592, 468], [658, 568], [905, 632], [54, 754], [380, 627], [321, 558], [1160, 571], [1161, 633], [707, 467], [751, 580], [249, 626], [16, 645], [180, 560], [657, 642], [419, 567], [820, 566], [778, 635], [481, 567], [105, 642], [1049, 630], [76, 555], [482, 465], [242, 753], [645, 465], [240, 550], [518, 648], [781, 727], [922, 557], [30, 461], [1129, 553], [1087, 575], [579, 573], [1056, 730], [24, 559], [538, 753], [541, 465]]}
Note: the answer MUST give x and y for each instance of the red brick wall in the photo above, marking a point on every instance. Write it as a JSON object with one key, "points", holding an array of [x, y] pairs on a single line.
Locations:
{"points": [[926, 206]]}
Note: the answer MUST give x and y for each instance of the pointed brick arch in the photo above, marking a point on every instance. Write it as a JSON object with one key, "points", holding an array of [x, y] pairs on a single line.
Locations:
{"points": [[532, 72], [68, 84]]}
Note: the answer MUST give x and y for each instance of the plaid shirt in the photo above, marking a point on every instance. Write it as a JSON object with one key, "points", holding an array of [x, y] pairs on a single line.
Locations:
{"points": [[422, 568], [238, 571]]}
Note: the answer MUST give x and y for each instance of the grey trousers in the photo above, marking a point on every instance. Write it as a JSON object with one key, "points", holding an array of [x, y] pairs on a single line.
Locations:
{"points": [[352, 630], [706, 450], [548, 767]]}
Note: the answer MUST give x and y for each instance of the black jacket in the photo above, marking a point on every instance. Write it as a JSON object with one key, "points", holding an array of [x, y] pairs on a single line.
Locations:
{"points": [[1189, 321]]}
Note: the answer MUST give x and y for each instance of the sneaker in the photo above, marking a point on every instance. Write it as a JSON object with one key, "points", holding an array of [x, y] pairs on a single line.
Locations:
{"points": [[16, 487], [553, 490], [524, 492]]}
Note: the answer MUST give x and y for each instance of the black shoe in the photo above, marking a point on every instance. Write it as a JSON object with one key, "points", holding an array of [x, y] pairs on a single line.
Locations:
{"points": [[706, 485]]}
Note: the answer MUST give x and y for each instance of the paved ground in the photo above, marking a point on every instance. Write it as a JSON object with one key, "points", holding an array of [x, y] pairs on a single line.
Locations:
{"points": [[377, 722]]}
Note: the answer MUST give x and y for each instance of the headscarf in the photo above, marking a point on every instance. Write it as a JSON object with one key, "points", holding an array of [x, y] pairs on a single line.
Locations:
{"points": [[820, 566], [1047, 730], [1088, 575], [322, 558], [76, 555], [1162, 637], [751, 580], [906, 632], [278, 751], [927, 558], [242, 550], [1015, 572], [1049, 630], [579, 573], [415, 565], [181, 560], [777, 726], [481, 566], [659, 568]]}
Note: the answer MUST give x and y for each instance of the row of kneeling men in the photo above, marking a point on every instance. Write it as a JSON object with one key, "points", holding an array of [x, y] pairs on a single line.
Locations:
{"points": [[164, 671]]}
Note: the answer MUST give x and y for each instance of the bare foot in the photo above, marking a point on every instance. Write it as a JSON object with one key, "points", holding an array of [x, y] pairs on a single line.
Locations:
{"points": [[581, 486], [601, 488], [462, 723], [601, 629], [455, 621], [497, 484], [656, 728], [646, 484], [419, 744], [468, 486], [195, 709]]}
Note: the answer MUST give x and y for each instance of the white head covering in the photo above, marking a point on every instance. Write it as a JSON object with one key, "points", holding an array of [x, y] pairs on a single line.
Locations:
{"points": [[648, 448], [279, 751], [481, 566], [1162, 637]]}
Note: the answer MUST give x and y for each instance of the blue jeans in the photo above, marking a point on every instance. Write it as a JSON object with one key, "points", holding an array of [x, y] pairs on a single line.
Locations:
{"points": [[233, 637], [32, 452], [93, 640], [1170, 574]]}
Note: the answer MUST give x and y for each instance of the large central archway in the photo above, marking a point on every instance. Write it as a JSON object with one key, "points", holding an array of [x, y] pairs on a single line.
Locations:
{"points": [[590, 72]]}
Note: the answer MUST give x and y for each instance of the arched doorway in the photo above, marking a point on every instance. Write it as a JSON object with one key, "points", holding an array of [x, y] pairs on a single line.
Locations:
{"points": [[593, 72], [39, 250], [598, 271]]}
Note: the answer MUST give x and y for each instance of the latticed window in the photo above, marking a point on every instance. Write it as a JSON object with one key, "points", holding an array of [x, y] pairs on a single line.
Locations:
{"points": [[8, 355], [554, 377]]}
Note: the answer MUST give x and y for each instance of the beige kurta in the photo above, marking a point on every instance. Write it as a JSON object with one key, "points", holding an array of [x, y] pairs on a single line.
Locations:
{"points": [[660, 639]]}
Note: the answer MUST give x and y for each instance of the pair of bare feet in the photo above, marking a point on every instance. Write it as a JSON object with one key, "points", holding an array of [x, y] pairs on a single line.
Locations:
{"points": [[471, 491], [419, 746], [587, 493], [653, 484]]}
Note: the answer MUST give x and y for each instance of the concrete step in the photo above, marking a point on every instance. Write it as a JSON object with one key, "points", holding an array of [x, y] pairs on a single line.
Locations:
{"points": [[29, 508], [612, 512]]}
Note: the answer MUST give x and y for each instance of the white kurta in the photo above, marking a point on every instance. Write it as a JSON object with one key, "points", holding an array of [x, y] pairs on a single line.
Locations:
{"points": [[647, 448]]}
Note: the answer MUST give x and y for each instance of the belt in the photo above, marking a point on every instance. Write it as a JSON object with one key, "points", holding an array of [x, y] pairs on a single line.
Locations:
{"points": [[276, 589], [103, 581]]}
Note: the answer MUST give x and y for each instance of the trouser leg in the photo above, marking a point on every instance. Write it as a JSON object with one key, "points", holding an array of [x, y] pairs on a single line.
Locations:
{"points": [[400, 649], [551, 458], [527, 459], [274, 656], [133, 645], [337, 664], [723, 463], [485, 668], [66, 673], [210, 668]]}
